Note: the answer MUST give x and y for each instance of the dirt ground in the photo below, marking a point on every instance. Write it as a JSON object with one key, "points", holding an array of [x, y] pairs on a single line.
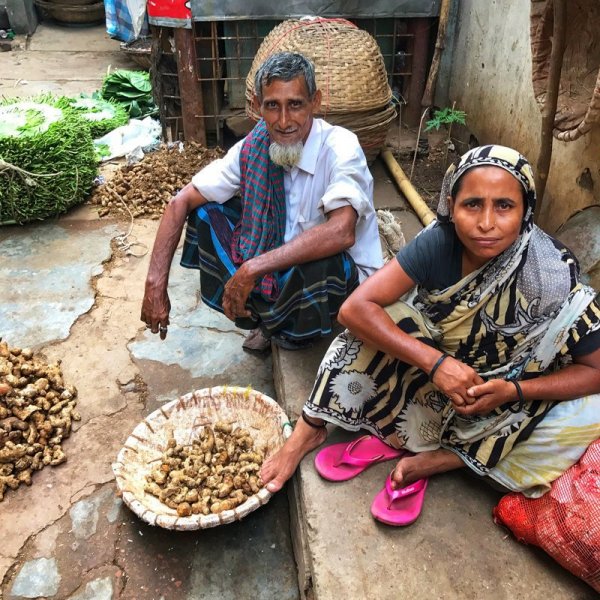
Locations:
{"points": [[431, 161], [428, 172]]}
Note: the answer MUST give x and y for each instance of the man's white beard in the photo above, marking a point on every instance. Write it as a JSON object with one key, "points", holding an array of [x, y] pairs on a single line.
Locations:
{"points": [[286, 156]]}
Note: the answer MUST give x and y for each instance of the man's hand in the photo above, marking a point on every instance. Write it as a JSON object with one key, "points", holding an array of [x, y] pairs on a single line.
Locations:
{"points": [[454, 378], [156, 307], [332, 237], [487, 396], [237, 290]]}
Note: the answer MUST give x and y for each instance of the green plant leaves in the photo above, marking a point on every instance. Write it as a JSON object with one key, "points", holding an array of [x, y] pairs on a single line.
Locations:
{"points": [[446, 116], [101, 115], [47, 165], [132, 89]]}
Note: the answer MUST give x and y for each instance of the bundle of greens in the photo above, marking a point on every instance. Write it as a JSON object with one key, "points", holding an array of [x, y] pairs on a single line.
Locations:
{"points": [[133, 90], [101, 115], [47, 160]]}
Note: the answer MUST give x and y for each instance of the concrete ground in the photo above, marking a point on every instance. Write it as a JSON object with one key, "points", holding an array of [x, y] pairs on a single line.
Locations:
{"points": [[70, 292]]}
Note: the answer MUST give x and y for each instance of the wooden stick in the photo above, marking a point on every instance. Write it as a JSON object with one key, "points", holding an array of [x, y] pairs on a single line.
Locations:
{"points": [[427, 99], [189, 86], [424, 213]]}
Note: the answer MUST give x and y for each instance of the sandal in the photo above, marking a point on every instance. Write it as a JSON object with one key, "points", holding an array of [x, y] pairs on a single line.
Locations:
{"points": [[399, 507], [340, 462]]}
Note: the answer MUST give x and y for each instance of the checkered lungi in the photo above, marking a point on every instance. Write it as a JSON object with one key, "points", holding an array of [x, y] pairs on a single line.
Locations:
{"points": [[310, 294]]}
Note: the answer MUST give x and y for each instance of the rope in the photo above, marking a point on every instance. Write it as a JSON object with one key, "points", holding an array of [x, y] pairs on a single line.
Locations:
{"points": [[412, 168], [127, 241], [6, 166]]}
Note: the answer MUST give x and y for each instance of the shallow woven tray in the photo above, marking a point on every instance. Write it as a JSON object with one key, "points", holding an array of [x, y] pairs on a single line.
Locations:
{"points": [[185, 417], [348, 64], [140, 51], [67, 13]]}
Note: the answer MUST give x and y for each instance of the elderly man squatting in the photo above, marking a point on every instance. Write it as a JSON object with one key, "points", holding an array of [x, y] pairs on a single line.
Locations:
{"points": [[282, 258]]}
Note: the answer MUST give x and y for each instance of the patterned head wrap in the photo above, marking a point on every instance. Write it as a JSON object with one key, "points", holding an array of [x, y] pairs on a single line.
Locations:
{"points": [[491, 156]]}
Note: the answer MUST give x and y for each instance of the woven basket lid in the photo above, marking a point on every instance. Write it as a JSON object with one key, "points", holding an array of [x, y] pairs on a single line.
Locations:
{"points": [[184, 418], [349, 67]]}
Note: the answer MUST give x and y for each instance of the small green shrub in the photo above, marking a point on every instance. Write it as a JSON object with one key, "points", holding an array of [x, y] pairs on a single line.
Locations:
{"points": [[446, 116]]}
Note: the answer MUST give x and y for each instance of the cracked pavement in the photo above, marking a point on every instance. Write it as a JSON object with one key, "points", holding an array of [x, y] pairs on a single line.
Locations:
{"points": [[71, 295]]}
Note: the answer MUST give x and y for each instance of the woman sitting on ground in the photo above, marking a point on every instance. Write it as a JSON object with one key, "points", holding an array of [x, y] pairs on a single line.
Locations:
{"points": [[491, 360]]}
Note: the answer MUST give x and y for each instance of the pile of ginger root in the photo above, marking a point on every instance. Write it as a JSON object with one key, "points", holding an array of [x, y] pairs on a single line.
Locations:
{"points": [[36, 414], [218, 471]]}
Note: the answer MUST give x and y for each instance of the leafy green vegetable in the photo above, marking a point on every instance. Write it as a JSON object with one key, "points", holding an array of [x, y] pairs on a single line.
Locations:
{"points": [[132, 89], [445, 117], [47, 161], [101, 115], [27, 118], [102, 151]]}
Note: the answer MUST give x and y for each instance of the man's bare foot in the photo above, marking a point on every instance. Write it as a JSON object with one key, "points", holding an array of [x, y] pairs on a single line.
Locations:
{"points": [[425, 464], [278, 468]]}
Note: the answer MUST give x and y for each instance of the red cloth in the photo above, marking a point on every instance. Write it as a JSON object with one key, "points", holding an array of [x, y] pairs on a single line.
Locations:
{"points": [[565, 522]]}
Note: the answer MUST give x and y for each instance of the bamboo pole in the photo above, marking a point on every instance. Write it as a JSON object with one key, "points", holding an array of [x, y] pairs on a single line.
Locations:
{"points": [[424, 213], [551, 101]]}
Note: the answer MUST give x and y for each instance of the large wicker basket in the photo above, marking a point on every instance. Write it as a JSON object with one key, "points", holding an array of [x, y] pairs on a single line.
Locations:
{"points": [[184, 418], [370, 127], [348, 64]]}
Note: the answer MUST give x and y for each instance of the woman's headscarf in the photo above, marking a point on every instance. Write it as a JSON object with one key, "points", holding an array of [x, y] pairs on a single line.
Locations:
{"points": [[525, 300], [490, 156]]}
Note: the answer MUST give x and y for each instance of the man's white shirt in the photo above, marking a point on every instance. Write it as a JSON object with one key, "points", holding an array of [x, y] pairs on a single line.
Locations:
{"points": [[332, 173]]}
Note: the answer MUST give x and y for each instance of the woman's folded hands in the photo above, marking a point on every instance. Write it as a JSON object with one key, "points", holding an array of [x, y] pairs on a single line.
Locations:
{"points": [[468, 392], [487, 396]]}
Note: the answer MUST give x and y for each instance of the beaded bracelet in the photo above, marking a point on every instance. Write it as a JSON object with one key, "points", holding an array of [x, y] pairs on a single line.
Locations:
{"points": [[439, 361], [520, 395]]}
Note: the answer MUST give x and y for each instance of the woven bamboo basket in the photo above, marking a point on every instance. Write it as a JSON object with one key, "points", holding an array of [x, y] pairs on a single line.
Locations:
{"points": [[349, 67], [140, 51], [370, 128], [82, 14], [184, 419]]}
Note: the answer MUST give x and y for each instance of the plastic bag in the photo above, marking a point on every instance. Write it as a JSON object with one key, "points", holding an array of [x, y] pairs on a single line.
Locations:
{"points": [[126, 20], [565, 522], [131, 140]]}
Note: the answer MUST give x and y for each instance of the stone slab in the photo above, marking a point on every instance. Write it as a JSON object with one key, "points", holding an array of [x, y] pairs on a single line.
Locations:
{"points": [[79, 527], [42, 298], [23, 87]]}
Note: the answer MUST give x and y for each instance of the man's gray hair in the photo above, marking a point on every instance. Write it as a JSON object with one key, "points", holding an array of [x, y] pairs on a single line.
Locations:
{"points": [[285, 66]]}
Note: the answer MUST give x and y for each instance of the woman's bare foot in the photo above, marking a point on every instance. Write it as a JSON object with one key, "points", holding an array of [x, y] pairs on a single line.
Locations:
{"points": [[278, 468], [425, 464]]}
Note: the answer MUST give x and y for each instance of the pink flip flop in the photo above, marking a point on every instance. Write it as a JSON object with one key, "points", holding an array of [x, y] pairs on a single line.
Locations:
{"points": [[399, 507], [340, 462]]}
